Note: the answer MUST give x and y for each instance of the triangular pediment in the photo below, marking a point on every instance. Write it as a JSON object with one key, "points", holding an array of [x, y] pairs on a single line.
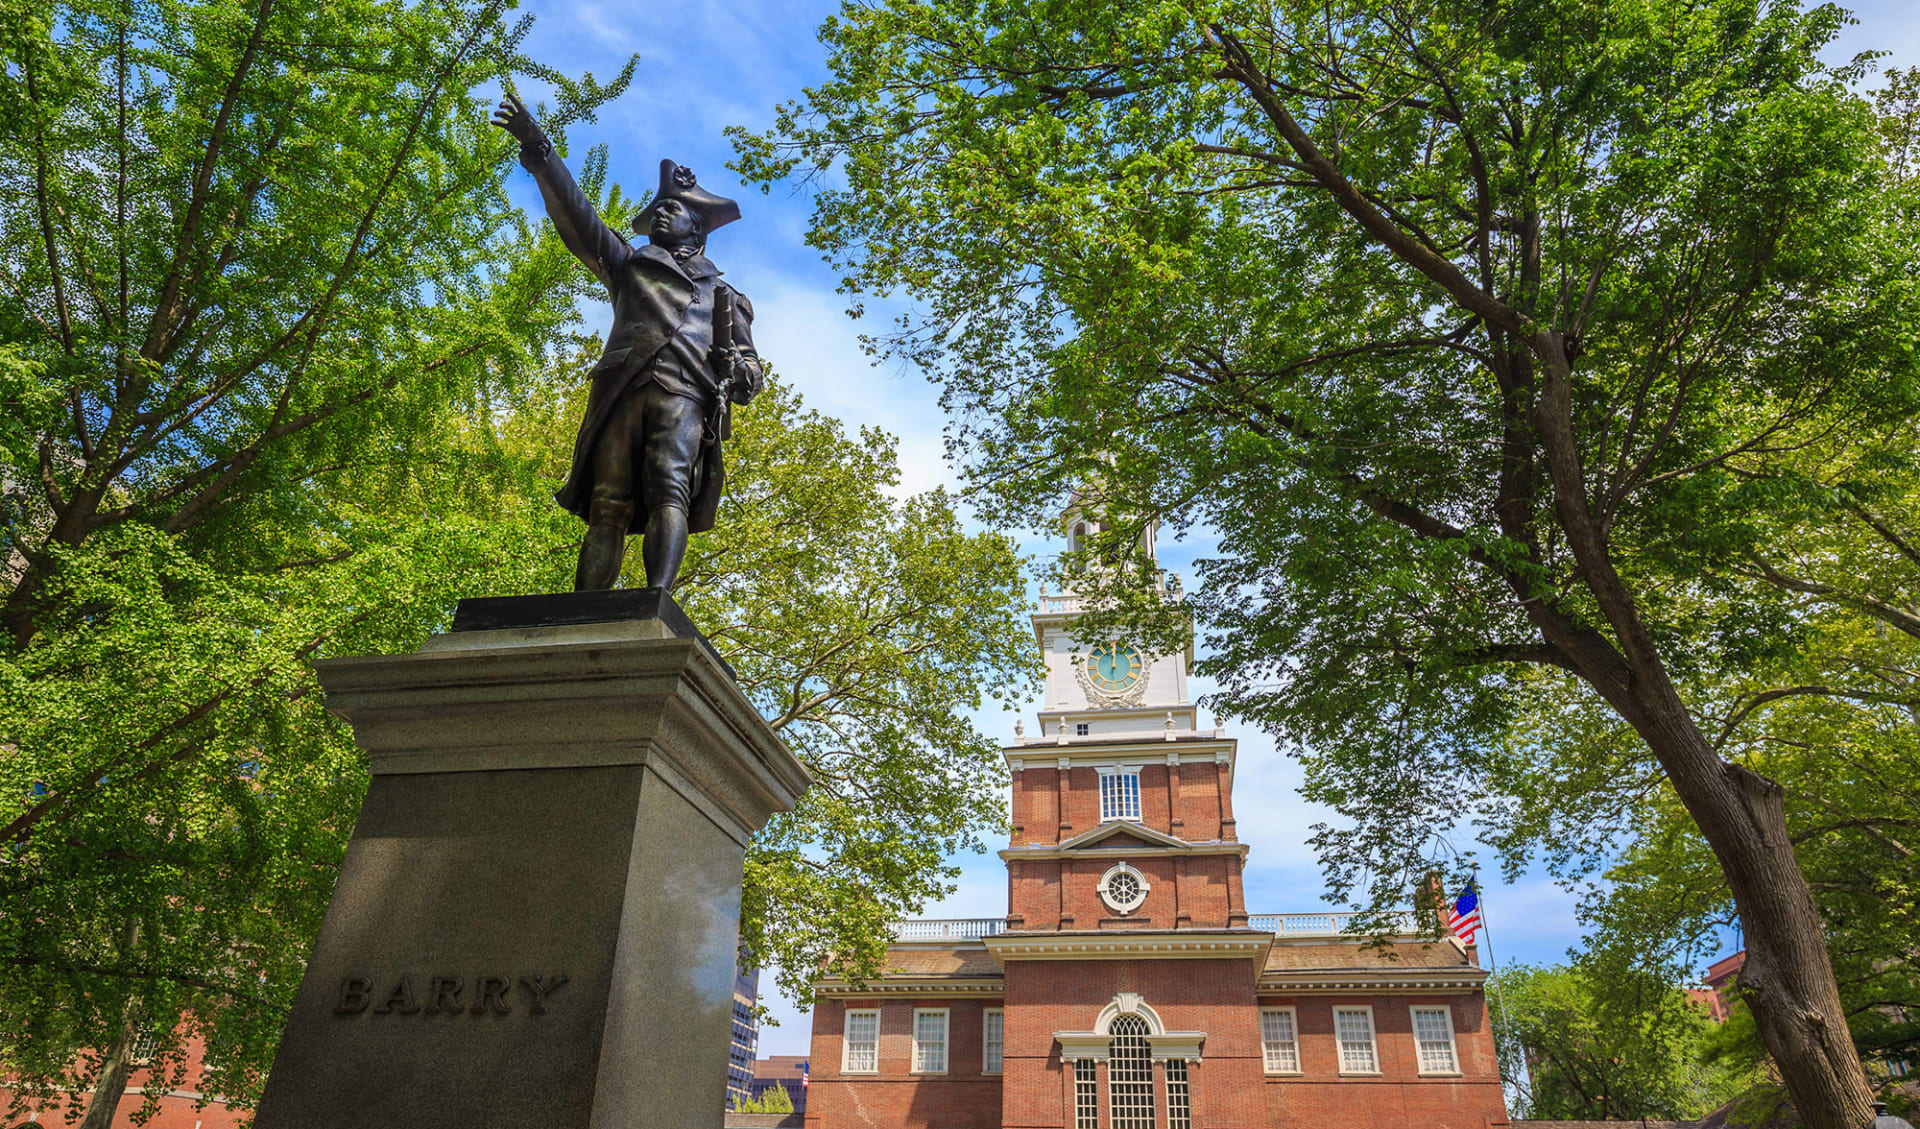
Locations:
{"points": [[1122, 834]]}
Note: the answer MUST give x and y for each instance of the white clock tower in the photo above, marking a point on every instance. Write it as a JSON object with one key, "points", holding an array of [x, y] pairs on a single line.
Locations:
{"points": [[1108, 688]]}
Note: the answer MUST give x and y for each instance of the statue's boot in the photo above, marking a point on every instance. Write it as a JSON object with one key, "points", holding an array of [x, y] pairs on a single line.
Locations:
{"points": [[664, 545], [605, 545]]}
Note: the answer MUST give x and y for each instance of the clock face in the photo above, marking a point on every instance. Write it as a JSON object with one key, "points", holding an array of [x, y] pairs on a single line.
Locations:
{"points": [[1115, 666]]}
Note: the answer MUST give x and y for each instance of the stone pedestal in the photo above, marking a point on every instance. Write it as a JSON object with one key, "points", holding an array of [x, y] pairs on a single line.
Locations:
{"points": [[536, 920]]}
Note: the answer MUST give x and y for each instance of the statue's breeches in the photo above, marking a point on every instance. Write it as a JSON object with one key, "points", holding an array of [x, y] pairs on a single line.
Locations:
{"points": [[648, 450]]}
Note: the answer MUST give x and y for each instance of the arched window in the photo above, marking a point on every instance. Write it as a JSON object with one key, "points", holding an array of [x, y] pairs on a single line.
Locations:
{"points": [[1130, 1074]]}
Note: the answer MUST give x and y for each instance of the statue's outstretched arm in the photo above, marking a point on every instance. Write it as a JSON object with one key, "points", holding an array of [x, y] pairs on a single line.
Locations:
{"points": [[573, 215]]}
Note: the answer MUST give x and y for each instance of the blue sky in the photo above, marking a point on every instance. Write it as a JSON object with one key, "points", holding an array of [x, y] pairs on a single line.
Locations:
{"points": [[729, 62]]}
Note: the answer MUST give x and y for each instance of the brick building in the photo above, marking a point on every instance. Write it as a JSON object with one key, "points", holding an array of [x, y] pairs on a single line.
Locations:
{"points": [[1716, 991], [1128, 986], [179, 1107]]}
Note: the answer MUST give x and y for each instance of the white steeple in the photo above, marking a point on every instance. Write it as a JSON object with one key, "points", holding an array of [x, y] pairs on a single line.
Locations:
{"points": [[1103, 688]]}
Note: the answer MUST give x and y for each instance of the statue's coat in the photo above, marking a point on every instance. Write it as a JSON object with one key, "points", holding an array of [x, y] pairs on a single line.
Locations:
{"points": [[650, 294]]}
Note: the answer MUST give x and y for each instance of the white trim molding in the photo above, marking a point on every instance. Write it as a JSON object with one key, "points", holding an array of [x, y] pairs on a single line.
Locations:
{"points": [[1182, 1045], [917, 986], [1125, 945], [1127, 1003], [1164, 1045], [846, 1044], [1048, 751], [1453, 1043], [1292, 1043], [1400, 981], [1076, 1046], [1373, 1041]]}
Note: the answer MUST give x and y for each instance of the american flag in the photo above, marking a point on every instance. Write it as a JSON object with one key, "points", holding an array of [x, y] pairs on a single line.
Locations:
{"points": [[1463, 917], [803, 1076]]}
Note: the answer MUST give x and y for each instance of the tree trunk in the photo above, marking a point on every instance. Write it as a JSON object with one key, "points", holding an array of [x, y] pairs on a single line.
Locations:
{"points": [[112, 1083], [1788, 978]]}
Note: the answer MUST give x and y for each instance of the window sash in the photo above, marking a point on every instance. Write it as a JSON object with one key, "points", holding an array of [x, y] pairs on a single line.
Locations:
{"points": [[994, 1041], [1179, 1100], [1086, 1095], [1119, 796], [1433, 1032], [1130, 1103], [1279, 1041], [1354, 1027], [862, 1042], [929, 1042]]}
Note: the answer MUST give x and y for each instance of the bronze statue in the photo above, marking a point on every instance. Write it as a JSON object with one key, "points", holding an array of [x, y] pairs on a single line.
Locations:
{"points": [[680, 353]]}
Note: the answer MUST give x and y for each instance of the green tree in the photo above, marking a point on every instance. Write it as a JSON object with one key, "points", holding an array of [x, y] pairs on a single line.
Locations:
{"points": [[261, 275], [774, 1099], [1607, 1044], [1484, 335]]}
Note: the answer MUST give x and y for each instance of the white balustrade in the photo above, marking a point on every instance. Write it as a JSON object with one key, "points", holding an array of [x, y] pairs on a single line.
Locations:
{"points": [[1321, 924], [949, 928], [1335, 924]]}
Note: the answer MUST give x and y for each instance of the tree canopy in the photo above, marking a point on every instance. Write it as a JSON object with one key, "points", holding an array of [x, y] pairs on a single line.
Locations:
{"points": [[1494, 340]]}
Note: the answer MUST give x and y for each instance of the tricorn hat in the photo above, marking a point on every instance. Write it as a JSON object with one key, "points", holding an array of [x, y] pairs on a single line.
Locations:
{"points": [[677, 182]]}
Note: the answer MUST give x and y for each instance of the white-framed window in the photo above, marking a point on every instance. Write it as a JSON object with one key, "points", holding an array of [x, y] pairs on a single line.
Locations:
{"points": [[1130, 1102], [1086, 1095], [862, 1042], [1119, 794], [929, 1040], [1353, 1026], [1124, 888], [993, 1040], [1179, 1098], [1433, 1033], [1280, 1040], [141, 1048]]}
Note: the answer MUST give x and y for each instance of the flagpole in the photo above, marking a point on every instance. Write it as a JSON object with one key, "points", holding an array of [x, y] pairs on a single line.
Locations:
{"points": [[1506, 1022]]}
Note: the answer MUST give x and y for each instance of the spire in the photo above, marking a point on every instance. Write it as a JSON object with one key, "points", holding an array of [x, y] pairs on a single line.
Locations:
{"points": [[1082, 518]]}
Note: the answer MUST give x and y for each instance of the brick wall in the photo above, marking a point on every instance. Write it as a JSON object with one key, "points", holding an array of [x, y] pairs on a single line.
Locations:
{"points": [[1229, 1087], [1047, 809], [1185, 892], [895, 1097], [1399, 1098], [177, 1106], [1214, 996]]}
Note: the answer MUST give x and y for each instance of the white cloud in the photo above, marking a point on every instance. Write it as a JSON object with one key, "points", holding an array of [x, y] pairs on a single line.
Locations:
{"points": [[809, 338]]}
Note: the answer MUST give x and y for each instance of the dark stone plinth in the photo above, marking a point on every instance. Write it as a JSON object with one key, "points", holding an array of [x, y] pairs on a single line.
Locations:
{"points": [[558, 609], [565, 609], [537, 916]]}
